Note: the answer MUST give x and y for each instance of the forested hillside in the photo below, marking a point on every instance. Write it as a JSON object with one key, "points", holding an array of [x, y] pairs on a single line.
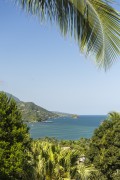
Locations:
{"points": [[32, 112]]}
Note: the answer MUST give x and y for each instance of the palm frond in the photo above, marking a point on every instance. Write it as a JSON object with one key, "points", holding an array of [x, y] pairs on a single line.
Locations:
{"points": [[94, 24]]}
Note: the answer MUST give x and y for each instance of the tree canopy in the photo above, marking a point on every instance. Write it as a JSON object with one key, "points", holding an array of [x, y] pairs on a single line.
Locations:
{"points": [[14, 142], [104, 150], [21, 158]]}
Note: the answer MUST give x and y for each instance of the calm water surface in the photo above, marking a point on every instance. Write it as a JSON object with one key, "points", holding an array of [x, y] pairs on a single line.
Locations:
{"points": [[66, 127]]}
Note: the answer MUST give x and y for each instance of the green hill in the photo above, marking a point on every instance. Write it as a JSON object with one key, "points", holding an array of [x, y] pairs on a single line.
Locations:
{"points": [[32, 112], [11, 96]]}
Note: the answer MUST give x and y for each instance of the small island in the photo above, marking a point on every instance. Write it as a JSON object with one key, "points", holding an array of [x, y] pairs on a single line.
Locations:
{"points": [[74, 116]]}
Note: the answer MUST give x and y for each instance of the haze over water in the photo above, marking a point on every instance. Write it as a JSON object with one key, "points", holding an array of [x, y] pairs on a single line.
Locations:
{"points": [[66, 127]]}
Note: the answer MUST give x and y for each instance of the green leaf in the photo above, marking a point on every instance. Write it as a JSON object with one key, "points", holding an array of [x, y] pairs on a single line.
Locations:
{"points": [[94, 24]]}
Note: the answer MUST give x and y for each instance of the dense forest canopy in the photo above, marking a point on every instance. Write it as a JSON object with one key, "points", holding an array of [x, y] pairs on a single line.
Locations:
{"points": [[14, 142], [46, 159]]}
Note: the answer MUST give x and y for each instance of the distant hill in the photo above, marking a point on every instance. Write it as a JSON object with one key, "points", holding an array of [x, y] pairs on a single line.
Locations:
{"points": [[11, 96], [62, 114], [32, 112]]}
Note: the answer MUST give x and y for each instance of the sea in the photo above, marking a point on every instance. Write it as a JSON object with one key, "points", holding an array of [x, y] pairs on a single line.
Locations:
{"points": [[67, 128]]}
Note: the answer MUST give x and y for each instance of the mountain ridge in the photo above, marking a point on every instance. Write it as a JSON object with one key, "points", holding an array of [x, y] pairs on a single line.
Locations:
{"points": [[32, 112]]}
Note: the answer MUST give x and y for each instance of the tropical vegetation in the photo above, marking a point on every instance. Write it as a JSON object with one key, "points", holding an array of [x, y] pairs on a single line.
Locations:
{"points": [[14, 142], [104, 149], [53, 160], [49, 159], [94, 24]]}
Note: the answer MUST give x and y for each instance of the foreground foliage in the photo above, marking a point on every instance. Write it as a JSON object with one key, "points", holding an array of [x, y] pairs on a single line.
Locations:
{"points": [[14, 142], [50, 159], [55, 161], [104, 150], [94, 24]]}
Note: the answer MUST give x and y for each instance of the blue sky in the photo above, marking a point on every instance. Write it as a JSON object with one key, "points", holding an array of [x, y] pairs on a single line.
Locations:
{"points": [[37, 64]]}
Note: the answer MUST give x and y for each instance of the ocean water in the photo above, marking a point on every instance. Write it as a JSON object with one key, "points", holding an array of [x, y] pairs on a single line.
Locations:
{"points": [[66, 127]]}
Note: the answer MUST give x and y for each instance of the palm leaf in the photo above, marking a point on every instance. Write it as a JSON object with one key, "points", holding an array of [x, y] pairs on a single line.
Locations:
{"points": [[85, 171], [94, 24]]}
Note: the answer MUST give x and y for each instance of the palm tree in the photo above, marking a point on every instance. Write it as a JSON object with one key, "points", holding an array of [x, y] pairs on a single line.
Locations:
{"points": [[84, 171], [94, 24]]}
